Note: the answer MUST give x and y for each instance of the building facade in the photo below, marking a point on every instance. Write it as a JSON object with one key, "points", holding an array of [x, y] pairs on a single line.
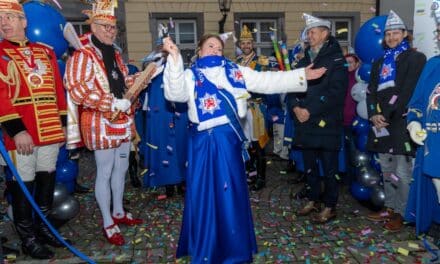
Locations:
{"points": [[138, 20], [193, 18]]}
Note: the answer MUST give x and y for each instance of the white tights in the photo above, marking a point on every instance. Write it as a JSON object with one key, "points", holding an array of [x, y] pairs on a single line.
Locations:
{"points": [[111, 167]]}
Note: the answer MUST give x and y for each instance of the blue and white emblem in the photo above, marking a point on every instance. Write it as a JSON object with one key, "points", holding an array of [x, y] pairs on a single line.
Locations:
{"points": [[236, 75], [387, 71], [209, 103]]}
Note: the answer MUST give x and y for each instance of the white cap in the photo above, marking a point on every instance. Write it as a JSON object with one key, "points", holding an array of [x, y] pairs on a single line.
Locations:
{"points": [[312, 22], [394, 22]]}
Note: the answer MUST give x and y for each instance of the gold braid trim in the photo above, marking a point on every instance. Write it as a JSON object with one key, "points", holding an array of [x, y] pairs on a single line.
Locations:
{"points": [[12, 79]]}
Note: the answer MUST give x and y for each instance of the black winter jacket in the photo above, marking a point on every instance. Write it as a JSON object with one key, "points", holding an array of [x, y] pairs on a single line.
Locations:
{"points": [[324, 100], [392, 103]]}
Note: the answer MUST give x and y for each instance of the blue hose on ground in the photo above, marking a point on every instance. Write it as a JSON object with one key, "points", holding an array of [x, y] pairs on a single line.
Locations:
{"points": [[11, 166]]}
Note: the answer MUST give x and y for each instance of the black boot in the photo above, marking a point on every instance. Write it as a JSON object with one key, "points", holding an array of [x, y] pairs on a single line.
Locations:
{"points": [[181, 189], [44, 187], [22, 212], [260, 183], [169, 190], [133, 170], [251, 165]]}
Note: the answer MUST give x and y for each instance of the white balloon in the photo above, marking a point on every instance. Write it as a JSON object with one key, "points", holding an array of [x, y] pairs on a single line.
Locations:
{"points": [[359, 91], [361, 109]]}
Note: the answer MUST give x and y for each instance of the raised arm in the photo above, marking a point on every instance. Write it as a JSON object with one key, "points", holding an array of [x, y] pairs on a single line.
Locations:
{"points": [[173, 77]]}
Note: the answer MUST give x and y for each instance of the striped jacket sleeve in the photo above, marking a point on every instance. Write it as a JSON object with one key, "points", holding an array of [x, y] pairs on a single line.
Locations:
{"points": [[81, 84]]}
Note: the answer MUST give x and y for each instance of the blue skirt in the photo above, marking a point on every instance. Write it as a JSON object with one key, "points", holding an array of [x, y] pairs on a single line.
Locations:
{"points": [[217, 224]]}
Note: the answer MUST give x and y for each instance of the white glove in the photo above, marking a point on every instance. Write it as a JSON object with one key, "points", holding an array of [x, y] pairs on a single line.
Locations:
{"points": [[416, 132], [121, 104]]}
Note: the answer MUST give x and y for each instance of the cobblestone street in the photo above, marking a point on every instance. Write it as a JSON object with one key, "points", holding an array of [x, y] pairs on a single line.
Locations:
{"points": [[282, 236]]}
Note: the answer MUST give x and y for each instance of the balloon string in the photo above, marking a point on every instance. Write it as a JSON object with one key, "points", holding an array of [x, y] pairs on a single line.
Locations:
{"points": [[14, 171]]}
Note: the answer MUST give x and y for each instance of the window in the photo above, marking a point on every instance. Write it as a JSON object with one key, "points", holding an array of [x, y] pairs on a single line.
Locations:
{"points": [[341, 30], [261, 32], [80, 27], [186, 32], [261, 25], [344, 26]]}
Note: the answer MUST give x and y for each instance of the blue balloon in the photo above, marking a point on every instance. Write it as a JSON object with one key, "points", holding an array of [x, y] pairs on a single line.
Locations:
{"points": [[364, 72], [360, 125], [368, 41], [63, 155], [45, 24], [360, 192], [67, 171], [361, 142], [132, 69]]}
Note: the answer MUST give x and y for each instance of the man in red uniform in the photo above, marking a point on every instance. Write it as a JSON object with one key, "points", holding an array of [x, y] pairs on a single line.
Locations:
{"points": [[32, 116]]}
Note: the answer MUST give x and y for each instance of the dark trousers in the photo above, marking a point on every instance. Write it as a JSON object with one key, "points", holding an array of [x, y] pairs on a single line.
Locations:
{"points": [[350, 174], [329, 161]]}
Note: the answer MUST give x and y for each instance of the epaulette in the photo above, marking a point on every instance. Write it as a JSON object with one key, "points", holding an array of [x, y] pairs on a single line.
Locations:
{"points": [[263, 60], [45, 44]]}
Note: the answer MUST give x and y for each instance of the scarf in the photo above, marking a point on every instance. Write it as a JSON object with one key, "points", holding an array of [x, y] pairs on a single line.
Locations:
{"points": [[114, 74], [387, 73], [233, 73]]}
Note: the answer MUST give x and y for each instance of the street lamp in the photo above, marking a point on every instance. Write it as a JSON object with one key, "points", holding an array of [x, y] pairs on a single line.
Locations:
{"points": [[225, 7]]}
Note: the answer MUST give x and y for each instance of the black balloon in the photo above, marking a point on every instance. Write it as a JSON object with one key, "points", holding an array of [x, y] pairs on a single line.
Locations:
{"points": [[66, 210], [378, 196], [60, 194], [368, 176]]}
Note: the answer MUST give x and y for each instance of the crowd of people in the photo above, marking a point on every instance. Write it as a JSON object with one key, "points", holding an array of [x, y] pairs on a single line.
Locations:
{"points": [[203, 129]]}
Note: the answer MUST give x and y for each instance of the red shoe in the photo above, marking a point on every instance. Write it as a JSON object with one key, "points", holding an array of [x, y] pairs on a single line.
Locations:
{"points": [[113, 235], [128, 220]]}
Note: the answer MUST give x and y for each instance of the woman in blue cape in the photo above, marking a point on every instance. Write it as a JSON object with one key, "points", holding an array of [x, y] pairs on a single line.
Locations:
{"points": [[217, 224]]}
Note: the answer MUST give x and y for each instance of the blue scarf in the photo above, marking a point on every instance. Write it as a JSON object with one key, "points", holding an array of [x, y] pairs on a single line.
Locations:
{"points": [[234, 75], [208, 94], [387, 73]]}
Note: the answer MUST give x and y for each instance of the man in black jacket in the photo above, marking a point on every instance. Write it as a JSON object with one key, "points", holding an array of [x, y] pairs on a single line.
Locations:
{"points": [[318, 117]]}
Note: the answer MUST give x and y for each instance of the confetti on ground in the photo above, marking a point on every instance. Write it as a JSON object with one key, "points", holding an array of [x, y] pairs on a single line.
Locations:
{"points": [[282, 235]]}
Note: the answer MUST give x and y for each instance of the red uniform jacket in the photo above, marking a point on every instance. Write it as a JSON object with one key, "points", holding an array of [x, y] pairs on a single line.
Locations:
{"points": [[32, 95]]}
